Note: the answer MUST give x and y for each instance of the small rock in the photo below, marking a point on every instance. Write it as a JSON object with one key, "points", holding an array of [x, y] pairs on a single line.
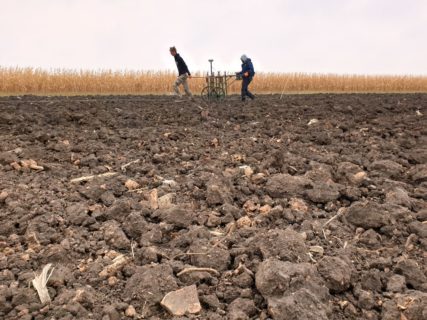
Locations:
{"points": [[182, 301], [299, 205], [358, 177], [3, 196], [131, 184], [166, 201], [244, 222], [170, 183], [153, 199], [265, 210], [130, 312], [238, 158], [250, 206], [215, 142], [247, 170], [312, 121], [317, 249], [112, 281]]}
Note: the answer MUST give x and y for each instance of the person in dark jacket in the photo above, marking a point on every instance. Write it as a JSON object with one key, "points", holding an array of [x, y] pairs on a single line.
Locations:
{"points": [[247, 75], [183, 74]]}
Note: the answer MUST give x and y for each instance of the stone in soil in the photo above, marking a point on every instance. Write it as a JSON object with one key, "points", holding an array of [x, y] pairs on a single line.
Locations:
{"points": [[182, 301]]}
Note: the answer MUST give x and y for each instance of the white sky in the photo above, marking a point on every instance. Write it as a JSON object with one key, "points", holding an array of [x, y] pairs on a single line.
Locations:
{"points": [[326, 36]]}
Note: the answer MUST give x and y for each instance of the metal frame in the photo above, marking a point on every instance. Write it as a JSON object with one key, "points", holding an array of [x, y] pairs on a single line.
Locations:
{"points": [[216, 88]]}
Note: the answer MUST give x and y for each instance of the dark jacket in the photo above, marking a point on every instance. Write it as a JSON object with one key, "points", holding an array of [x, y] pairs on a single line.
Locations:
{"points": [[247, 66], [180, 63]]}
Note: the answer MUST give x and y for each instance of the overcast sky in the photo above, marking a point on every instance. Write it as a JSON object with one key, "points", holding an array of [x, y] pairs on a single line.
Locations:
{"points": [[325, 36]]}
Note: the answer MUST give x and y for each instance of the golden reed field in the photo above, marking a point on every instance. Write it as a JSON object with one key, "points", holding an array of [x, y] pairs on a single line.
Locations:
{"points": [[72, 82]]}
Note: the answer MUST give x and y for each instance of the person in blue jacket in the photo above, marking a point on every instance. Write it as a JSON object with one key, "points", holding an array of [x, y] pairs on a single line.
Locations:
{"points": [[247, 75]]}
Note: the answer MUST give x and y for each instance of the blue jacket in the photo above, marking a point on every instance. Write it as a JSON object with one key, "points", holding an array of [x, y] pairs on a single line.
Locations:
{"points": [[247, 66]]}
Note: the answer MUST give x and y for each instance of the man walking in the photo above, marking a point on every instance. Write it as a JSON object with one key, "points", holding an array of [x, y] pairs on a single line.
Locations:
{"points": [[247, 75], [183, 74]]}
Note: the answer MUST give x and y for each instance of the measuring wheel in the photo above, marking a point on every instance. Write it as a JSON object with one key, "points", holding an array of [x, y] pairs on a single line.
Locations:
{"points": [[210, 94]]}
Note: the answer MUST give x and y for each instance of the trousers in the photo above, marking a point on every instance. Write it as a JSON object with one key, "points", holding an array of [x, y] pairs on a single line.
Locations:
{"points": [[182, 80], [245, 91]]}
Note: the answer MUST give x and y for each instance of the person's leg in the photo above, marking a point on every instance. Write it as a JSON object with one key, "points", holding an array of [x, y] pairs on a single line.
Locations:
{"points": [[186, 87], [176, 86], [248, 93], [245, 83]]}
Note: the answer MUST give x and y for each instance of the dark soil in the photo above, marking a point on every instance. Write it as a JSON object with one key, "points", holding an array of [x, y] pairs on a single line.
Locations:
{"points": [[247, 190]]}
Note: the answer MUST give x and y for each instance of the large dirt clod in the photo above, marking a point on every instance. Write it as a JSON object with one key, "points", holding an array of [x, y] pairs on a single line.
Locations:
{"points": [[367, 215]]}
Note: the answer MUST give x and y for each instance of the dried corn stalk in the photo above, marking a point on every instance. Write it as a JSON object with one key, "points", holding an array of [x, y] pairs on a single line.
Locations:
{"points": [[40, 281]]}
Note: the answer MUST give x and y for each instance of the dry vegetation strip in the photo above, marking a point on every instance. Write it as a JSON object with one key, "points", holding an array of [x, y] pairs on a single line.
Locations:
{"points": [[38, 81]]}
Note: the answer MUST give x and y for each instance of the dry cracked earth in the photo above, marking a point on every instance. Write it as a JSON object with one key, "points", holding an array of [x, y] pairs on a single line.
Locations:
{"points": [[306, 207]]}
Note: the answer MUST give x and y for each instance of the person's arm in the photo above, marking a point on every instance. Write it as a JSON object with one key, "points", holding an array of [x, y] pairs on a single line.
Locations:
{"points": [[185, 66], [245, 70], [251, 69]]}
